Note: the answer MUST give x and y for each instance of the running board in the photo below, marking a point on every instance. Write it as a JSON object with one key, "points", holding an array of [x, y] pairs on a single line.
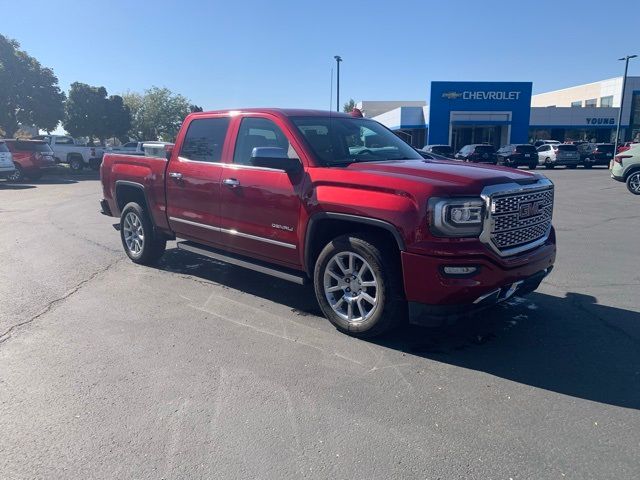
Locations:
{"points": [[244, 262]]}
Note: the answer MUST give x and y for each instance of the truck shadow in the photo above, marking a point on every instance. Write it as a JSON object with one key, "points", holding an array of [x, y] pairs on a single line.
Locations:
{"points": [[570, 345]]}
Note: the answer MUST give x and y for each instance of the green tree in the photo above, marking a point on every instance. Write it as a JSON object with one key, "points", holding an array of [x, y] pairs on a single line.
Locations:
{"points": [[29, 92], [156, 115], [90, 113], [349, 106]]}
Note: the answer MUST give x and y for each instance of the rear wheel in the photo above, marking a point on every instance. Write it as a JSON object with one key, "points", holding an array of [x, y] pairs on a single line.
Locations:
{"points": [[141, 242], [533, 166], [633, 183], [358, 285], [587, 163], [572, 167], [76, 163]]}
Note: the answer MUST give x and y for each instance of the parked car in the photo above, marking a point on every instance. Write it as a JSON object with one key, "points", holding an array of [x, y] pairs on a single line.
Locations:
{"points": [[539, 143], [625, 167], [340, 202], [32, 158], [626, 146], [516, 155], [7, 167], [130, 148], [443, 150], [595, 154], [553, 155], [68, 150], [478, 153]]}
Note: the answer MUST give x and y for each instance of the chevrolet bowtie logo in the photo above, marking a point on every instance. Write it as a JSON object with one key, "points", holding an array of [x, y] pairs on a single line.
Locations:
{"points": [[451, 95]]}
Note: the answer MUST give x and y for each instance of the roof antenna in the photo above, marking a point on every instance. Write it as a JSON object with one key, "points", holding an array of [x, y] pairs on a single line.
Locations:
{"points": [[331, 92]]}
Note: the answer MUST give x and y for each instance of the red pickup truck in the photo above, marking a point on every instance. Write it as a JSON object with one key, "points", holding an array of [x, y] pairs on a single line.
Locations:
{"points": [[342, 202]]}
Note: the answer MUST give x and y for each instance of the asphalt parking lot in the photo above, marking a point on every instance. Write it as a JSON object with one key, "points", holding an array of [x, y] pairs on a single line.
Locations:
{"points": [[195, 369]]}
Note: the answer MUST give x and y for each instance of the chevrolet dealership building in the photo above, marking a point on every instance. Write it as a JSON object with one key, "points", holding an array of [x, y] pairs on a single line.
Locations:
{"points": [[460, 113]]}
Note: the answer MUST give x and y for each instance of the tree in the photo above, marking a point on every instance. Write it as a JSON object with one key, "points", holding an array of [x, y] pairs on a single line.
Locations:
{"points": [[90, 113], [156, 115], [29, 92], [349, 106]]}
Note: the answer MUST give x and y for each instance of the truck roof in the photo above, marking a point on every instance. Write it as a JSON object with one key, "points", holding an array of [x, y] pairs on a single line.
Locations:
{"points": [[285, 112]]}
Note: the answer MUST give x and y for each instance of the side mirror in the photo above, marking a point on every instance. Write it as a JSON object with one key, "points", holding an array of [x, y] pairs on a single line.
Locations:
{"points": [[168, 150], [274, 157]]}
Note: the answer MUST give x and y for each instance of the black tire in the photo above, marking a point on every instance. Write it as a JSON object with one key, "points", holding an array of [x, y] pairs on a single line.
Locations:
{"points": [[390, 309], [587, 164], [633, 182], [76, 163], [548, 166], [572, 167], [94, 164], [17, 175], [152, 245], [533, 166]]}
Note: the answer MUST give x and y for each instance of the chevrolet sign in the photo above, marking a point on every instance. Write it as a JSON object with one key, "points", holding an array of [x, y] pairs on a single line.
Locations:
{"points": [[471, 95]]}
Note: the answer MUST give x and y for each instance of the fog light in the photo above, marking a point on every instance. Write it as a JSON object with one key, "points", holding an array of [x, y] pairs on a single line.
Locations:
{"points": [[460, 271]]}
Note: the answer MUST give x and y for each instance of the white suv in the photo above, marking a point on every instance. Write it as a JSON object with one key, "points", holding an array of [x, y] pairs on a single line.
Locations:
{"points": [[625, 167], [6, 162]]}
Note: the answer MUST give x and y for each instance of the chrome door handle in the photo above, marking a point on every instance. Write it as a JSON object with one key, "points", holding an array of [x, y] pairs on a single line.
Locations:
{"points": [[176, 175], [231, 182]]}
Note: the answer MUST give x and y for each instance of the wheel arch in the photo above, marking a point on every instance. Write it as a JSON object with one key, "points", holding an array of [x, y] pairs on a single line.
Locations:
{"points": [[127, 191], [324, 226], [632, 169]]}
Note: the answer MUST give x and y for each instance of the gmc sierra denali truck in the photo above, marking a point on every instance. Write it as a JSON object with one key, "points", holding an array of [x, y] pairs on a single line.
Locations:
{"points": [[341, 202]]}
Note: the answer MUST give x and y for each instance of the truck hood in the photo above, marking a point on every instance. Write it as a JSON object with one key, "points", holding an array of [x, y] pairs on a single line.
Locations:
{"points": [[447, 173]]}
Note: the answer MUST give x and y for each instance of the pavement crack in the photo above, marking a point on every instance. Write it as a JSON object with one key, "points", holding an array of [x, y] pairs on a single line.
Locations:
{"points": [[53, 303]]}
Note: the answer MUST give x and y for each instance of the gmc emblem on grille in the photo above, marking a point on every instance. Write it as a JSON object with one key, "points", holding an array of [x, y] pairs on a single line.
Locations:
{"points": [[530, 209]]}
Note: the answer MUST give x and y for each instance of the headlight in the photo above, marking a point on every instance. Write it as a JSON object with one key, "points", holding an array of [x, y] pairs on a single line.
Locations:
{"points": [[456, 217]]}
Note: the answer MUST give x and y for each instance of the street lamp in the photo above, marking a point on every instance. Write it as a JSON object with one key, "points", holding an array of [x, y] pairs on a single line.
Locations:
{"points": [[624, 85], [338, 60]]}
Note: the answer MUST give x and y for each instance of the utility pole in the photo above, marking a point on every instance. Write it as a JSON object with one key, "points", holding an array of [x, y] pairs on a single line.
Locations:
{"points": [[624, 86], [338, 60]]}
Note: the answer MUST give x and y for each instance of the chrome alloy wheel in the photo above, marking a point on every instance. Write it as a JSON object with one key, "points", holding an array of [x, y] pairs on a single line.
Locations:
{"points": [[133, 233], [351, 287], [634, 182]]}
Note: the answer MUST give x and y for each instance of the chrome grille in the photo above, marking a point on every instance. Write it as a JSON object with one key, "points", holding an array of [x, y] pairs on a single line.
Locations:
{"points": [[521, 218]]}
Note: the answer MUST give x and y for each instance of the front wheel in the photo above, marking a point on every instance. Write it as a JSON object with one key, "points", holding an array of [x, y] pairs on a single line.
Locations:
{"points": [[141, 242], [17, 175], [633, 183], [572, 167], [533, 166], [358, 285]]}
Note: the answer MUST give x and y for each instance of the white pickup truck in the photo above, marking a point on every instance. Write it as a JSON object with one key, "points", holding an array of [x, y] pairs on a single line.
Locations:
{"points": [[130, 148], [67, 150]]}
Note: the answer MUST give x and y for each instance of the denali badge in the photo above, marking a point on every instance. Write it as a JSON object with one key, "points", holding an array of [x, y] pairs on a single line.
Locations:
{"points": [[282, 227], [530, 209]]}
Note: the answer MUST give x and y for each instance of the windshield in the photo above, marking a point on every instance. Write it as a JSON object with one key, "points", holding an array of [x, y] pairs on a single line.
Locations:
{"points": [[566, 148], [340, 140], [525, 149], [485, 149]]}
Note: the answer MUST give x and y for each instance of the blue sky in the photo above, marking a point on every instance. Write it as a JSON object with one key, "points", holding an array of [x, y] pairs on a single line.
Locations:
{"points": [[280, 53]]}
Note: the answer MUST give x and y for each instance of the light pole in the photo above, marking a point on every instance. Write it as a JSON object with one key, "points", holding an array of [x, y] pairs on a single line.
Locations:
{"points": [[338, 60], [624, 85]]}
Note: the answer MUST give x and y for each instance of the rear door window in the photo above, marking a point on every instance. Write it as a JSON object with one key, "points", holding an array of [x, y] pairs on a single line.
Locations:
{"points": [[33, 147], [526, 149], [566, 148], [204, 139], [485, 149]]}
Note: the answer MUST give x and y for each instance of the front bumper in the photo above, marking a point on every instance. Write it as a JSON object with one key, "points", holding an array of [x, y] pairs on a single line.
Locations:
{"points": [[6, 172], [435, 297]]}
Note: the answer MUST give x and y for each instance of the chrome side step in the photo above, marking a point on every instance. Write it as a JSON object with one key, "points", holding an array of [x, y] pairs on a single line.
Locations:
{"points": [[284, 274]]}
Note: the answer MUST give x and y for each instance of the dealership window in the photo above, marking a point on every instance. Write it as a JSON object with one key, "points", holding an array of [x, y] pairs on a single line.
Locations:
{"points": [[592, 102], [606, 101], [576, 104]]}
